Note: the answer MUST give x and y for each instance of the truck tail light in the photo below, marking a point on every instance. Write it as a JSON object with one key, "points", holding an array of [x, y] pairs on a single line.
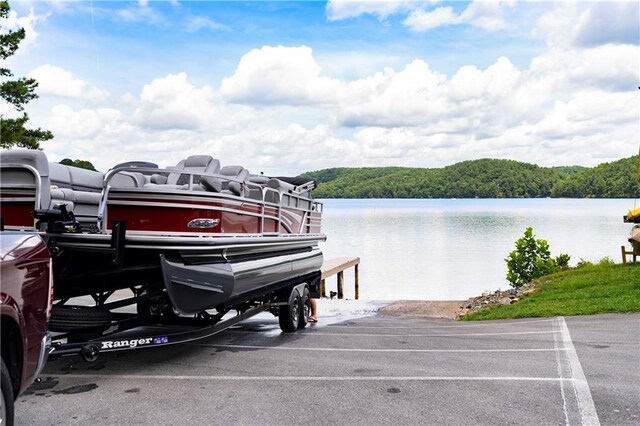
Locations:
{"points": [[50, 303]]}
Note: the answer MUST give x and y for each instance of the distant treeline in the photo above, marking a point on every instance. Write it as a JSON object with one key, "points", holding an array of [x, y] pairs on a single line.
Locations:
{"points": [[486, 178]]}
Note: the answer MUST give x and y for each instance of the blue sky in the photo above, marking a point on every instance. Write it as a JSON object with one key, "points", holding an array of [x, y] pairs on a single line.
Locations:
{"points": [[288, 87]]}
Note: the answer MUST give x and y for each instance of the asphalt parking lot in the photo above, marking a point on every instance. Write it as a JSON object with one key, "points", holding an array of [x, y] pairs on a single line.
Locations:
{"points": [[373, 370]]}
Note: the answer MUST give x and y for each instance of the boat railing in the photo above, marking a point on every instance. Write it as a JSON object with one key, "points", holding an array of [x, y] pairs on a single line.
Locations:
{"points": [[269, 199], [35, 185]]}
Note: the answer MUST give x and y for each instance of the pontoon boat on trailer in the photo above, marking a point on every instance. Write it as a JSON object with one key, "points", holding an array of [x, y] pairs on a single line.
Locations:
{"points": [[205, 236]]}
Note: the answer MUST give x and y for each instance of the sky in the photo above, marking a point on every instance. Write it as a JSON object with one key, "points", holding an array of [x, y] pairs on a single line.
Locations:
{"points": [[288, 87]]}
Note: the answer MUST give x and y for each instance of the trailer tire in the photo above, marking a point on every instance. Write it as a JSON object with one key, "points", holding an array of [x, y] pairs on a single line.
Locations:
{"points": [[305, 311], [289, 316], [79, 318], [6, 410]]}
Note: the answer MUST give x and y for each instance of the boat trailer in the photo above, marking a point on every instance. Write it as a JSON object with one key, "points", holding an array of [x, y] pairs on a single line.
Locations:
{"points": [[127, 331]]}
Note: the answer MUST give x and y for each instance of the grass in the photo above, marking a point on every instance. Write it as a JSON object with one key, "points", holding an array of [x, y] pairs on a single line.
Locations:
{"points": [[588, 290]]}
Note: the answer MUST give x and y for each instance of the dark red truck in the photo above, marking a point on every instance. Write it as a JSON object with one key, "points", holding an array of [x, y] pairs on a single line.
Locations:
{"points": [[25, 305]]}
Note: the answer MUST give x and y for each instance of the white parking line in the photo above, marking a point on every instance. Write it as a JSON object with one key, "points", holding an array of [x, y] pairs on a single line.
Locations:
{"points": [[457, 325], [142, 377], [317, 349], [576, 395], [323, 334]]}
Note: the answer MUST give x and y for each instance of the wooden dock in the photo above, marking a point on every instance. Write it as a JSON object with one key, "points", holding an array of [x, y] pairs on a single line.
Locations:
{"points": [[634, 254], [337, 266]]}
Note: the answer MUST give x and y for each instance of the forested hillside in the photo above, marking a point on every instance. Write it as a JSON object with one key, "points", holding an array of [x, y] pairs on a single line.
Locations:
{"points": [[485, 178], [608, 180]]}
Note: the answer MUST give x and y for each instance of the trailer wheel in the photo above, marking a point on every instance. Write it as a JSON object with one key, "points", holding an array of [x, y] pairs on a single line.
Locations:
{"points": [[6, 410], [90, 353], [289, 316], [77, 318], [305, 311]]}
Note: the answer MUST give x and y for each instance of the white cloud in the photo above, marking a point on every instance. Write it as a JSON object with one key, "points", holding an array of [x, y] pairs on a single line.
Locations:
{"points": [[174, 103], [197, 23], [344, 9], [608, 66], [395, 98], [67, 123], [286, 75], [473, 105], [288, 149], [419, 20], [555, 25], [418, 116], [610, 22], [585, 25], [488, 15], [56, 81], [29, 22], [141, 13]]}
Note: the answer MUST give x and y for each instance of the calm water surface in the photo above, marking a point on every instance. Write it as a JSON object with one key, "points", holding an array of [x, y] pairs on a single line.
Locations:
{"points": [[455, 249]]}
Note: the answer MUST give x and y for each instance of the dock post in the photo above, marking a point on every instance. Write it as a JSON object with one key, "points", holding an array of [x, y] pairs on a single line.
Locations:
{"points": [[337, 266], [357, 282]]}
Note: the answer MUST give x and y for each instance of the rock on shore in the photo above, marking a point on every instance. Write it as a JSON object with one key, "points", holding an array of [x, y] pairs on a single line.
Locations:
{"points": [[495, 298]]}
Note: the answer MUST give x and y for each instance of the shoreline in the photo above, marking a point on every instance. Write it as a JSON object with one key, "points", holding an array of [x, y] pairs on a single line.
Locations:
{"points": [[449, 309], [454, 309]]}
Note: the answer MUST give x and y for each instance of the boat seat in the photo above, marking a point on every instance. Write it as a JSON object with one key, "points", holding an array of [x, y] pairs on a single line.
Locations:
{"points": [[128, 180], [78, 189], [280, 185], [204, 164], [22, 179], [230, 180], [287, 191], [260, 179], [64, 196]]}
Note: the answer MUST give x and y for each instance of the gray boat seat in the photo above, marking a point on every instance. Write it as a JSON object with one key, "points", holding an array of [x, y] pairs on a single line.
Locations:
{"points": [[128, 180], [59, 175], [78, 189], [202, 164], [22, 179], [287, 190], [280, 185], [230, 180]]}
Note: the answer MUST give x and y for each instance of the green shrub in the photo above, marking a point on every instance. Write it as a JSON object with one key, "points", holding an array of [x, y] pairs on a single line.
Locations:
{"points": [[582, 263], [531, 259], [562, 260], [606, 261]]}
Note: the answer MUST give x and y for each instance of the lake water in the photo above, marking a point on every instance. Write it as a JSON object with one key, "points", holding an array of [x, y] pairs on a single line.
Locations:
{"points": [[455, 249]]}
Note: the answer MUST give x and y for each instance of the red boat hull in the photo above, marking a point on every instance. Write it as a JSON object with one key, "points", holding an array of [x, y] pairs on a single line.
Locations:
{"points": [[172, 213]]}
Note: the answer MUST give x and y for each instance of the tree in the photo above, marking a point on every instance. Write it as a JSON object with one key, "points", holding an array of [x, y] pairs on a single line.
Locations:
{"points": [[531, 259], [83, 164], [16, 92]]}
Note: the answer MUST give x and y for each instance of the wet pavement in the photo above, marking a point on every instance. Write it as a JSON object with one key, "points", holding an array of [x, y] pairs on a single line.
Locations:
{"points": [[371, 370]]}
